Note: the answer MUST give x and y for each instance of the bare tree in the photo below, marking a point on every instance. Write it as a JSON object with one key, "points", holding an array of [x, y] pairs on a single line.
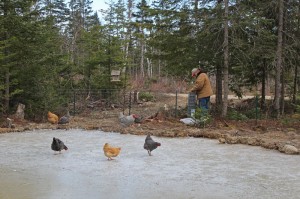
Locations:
{"points": [[129, 31], [142, 71]]}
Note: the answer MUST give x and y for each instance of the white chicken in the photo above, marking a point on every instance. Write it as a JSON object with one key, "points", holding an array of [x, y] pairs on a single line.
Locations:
{"points": [[127, 120], [188, 121]]}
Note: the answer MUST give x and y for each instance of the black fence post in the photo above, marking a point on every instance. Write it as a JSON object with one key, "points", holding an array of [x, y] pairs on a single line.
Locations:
{"points": [[256, 109], [74, 102], [129, 105], [124, 99], [176, 103]]}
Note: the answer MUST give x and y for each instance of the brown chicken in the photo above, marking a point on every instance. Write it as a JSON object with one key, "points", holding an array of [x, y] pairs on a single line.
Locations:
{"points": [[52, 118], [110, 152]]}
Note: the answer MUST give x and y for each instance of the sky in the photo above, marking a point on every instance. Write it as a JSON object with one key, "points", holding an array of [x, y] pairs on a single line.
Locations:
{"points": [[99, 4]]}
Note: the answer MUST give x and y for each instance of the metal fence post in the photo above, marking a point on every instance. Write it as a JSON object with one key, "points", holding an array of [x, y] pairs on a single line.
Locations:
{"points": [[176, 103], [129, 105], [74, 101], [256, 109]]}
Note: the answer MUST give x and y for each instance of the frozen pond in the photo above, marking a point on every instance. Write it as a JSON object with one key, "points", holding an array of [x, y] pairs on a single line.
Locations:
{"points": [[182, 168]]}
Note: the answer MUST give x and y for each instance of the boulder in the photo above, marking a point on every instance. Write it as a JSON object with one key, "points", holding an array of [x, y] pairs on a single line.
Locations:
{"points": [[290, 149]]}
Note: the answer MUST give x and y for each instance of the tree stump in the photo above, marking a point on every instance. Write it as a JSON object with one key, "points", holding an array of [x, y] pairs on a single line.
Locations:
{"points": [[9, 123], [20, 111]]}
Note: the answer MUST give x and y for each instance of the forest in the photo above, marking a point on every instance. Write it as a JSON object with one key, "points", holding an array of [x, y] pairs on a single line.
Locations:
{"points": [[49, 48]]}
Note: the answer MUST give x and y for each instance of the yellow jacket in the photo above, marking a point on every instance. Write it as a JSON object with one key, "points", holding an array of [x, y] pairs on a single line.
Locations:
{"points": [[202, 86]]}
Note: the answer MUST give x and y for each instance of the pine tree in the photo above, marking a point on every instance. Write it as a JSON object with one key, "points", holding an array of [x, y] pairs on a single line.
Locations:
{"points": [[12, 12]]}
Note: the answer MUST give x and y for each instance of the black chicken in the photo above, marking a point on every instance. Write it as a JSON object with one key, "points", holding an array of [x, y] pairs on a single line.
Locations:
{"points": [[64, 119], [58, 145], [150, 145]]}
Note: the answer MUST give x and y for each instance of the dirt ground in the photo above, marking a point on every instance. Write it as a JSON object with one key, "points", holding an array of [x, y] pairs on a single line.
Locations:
{"points": [[160, 121]]}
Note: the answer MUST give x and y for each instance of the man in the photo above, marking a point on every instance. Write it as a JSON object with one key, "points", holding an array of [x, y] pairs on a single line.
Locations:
{"points": [[202, 88]]}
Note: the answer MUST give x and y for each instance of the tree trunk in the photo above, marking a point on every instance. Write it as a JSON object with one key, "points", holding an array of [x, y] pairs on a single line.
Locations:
{"points": [[295, 85], [278, 60], [219, 89], [129, 32], [282, 92], [296, 65], [7, 92], [226, 55], [142, 72], [263, 87], [149, 68], [283, 63]]}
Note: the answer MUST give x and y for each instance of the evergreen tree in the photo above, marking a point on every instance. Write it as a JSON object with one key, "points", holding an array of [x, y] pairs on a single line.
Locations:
{"points": [[12, 12], [55, 10], [31, 52], [114, 36]]}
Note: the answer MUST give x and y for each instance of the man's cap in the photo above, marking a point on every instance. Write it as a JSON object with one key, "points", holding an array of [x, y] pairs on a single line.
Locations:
{"points": [[194, 70]]}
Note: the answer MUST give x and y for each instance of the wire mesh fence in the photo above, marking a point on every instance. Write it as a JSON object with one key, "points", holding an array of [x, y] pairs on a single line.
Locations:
{"points": [[80, 100]]}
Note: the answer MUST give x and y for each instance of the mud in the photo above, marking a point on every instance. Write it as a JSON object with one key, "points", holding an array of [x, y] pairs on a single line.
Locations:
{"points": [[180, 168]]}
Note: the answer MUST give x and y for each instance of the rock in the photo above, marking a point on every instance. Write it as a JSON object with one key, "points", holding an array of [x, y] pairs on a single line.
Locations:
{"points": [[231, 139], [167, 134], [291, 134], [181, 134], [222, 140], [253, 142], [290, 149], [268, 144], [244, 140]]}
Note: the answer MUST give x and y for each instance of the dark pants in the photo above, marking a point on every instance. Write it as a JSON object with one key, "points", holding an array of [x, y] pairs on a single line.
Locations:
{"points": [[203, 103]]}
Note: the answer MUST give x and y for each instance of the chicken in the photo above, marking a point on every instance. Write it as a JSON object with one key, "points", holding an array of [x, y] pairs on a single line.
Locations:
{"points": [[52, 118], [150, 145], [127, 120], [188, 121], [58, 145], [64, 119], [110, 152]]}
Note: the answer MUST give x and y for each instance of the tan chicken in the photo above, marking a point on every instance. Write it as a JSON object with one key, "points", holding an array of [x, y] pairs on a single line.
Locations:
{"points": [[110, 152], [52, 118]]}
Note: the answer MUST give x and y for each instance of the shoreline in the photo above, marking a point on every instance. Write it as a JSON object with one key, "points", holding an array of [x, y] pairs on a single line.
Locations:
{"points": [[287, 143]]}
